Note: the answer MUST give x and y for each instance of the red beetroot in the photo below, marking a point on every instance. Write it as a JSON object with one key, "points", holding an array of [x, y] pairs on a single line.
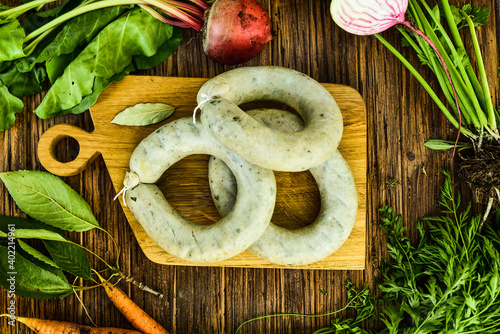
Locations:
{"points": [[235, 31]]}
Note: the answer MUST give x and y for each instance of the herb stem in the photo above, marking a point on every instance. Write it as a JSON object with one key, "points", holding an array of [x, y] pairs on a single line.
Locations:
{"points": [[24, 8], [484, 80], [460, 46], [426, 86], [358, 293]]}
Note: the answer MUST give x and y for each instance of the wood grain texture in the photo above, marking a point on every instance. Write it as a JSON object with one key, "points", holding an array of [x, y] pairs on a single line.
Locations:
{"points": [[215, 299], [186, 184]]}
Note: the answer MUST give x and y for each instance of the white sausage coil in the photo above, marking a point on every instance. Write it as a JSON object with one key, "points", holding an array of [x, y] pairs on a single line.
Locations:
{"points": [[189, 241], [245, 152], [255, 142], [338, 204]]}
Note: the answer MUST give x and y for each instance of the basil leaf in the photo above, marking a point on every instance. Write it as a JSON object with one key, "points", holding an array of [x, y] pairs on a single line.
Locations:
{"points": [[10, 105], [71, 258], [31, 281], [47, 198], [37, 254], [11, 41], [24, 83], [8, 223], [135, 33], [38, 234], [143, 114]]}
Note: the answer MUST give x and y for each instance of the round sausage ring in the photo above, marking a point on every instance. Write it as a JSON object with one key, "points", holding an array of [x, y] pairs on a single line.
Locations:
{"points": [[338, 204], [220, 97], [234, 233]]}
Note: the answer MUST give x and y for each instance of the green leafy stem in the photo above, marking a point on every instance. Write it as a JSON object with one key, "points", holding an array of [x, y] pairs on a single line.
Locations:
{"points": [[474, 100]]}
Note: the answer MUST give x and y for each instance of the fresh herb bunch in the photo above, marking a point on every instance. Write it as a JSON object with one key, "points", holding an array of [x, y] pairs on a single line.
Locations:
{"points": [[478, 118], [447, 283]]}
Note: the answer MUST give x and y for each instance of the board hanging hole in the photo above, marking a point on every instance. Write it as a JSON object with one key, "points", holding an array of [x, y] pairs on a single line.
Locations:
{"points": [[65, 149]]}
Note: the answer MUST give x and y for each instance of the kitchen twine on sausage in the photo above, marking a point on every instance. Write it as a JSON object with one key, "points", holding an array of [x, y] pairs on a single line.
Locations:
{"points": [[220, 89], [131, 181], [206, 99]]}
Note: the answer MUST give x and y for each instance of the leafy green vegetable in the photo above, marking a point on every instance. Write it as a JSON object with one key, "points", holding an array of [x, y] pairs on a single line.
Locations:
{"points": [[69, 257], [136, 33], [55, 66], [11, 41], [65, 255], [449, 282], [143, 114], [10, 105], [144, 62], [79, 32], [48, 199], [24, 83], [19, 223], [99, 85], [31, 280], [37, 254]]}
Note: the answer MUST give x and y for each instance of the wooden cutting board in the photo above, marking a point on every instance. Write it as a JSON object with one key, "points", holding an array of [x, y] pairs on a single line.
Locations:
{"points": [[185, 184]]}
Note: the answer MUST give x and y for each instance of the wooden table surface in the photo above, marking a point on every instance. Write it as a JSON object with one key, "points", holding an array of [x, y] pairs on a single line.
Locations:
{"points": [[401, 173]]}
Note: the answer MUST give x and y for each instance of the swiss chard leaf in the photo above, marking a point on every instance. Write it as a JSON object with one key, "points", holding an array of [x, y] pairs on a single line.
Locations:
{"points": [[55, 67], [79, 31], [31, 280], [99, 85], [71, 258], [145, 62], [24, 83], [11, 41], [47, 198], [10, 105], [135, 33]]}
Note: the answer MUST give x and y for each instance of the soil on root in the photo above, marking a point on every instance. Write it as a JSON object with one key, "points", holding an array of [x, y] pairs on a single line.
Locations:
{"points": [[481, 171]]}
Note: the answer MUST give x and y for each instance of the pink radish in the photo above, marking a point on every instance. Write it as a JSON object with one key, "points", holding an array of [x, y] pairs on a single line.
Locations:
{"points": [[235, 31]]}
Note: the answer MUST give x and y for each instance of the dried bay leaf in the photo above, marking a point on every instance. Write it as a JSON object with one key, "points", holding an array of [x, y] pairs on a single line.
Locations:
{"points": [[143, 114]]}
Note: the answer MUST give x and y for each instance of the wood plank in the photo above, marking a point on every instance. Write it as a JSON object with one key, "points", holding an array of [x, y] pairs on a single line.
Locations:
{"points": [[185, 184]]}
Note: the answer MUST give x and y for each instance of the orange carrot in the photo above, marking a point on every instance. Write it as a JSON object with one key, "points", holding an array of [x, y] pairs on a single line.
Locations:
{"points": [[134, 314], [60, 327]]}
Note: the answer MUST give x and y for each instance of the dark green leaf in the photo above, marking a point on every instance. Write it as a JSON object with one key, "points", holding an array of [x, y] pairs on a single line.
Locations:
{"points": [[47, 198], [71, 258], [55, 67], [10, 105], [37, 254], [99, 85], [478, 15], [11, 41], [31, 280], [79, 32], [438, 144], [24, 83], [145, 62], [9, 223], [136, 33]]}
